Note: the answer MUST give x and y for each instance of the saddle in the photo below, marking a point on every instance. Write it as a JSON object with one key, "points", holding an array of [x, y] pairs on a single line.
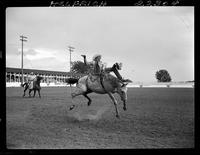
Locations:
{"points": [[94, 77], [101, 76]]}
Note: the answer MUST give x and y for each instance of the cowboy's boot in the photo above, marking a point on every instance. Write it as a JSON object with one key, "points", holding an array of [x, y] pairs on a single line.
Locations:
{"points": [[84, 57], [115, 70], [126, 80]]}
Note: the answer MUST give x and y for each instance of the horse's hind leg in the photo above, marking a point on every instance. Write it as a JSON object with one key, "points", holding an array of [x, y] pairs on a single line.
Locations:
{"points": [[81, 92], [89, 100], [39, 93], [77, 93], [115, 103]]}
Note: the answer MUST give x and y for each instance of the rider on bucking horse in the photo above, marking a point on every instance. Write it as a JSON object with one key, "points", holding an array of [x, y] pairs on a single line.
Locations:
{"points": [[99, 67], [31, 78]]}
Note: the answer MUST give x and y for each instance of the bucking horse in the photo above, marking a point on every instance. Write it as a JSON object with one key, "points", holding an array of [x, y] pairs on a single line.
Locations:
{"points": [[100, 84], [36, 86]]}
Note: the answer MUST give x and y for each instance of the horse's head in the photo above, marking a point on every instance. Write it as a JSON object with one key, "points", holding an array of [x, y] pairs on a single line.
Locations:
{"points": [[39, 78], [123, 92]]}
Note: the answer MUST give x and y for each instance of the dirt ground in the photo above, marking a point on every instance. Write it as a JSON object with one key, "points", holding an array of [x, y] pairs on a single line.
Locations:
{"points": [[155, 118]]}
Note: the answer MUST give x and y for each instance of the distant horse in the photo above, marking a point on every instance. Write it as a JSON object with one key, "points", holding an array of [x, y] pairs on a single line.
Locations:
{"points": [[100, 84], [36, 86]]}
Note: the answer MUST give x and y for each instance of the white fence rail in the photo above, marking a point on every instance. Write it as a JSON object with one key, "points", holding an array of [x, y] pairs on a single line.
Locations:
{"points": [[139, 85], [163, 85]]}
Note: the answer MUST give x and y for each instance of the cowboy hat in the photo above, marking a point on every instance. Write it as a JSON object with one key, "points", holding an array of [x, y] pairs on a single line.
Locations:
{"points": [[95, 57]]}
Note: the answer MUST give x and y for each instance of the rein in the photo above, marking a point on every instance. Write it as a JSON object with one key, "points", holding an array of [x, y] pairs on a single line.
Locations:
{"points": [[101, 81]]}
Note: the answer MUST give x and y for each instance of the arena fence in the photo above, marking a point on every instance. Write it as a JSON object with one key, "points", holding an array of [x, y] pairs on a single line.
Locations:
{"points": [[137, 85]]}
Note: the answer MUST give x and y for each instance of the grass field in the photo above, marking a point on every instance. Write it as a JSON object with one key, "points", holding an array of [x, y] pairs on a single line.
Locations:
{"points": [[155, 118]]}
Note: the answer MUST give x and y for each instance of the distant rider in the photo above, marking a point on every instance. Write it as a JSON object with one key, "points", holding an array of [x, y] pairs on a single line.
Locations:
{"points": [[31, 78]]}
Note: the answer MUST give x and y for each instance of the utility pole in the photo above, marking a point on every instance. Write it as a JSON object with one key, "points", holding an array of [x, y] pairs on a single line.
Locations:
{"points": [[70, 51], [22, 38]]}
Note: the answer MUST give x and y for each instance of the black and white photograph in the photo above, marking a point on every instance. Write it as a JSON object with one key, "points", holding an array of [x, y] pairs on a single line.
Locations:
{"points": [[100, 77]]}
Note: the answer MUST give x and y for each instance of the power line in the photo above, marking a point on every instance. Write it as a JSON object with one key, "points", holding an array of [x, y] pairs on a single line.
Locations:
{"points": [[184, 22], [22, 38]]}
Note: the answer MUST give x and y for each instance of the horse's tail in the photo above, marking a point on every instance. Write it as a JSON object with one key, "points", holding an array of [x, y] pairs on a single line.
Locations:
{"points": [[72, 80], [25, 83]]}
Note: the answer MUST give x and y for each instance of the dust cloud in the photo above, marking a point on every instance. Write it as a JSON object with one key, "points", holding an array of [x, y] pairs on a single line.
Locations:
{"points": [[83, 113]]}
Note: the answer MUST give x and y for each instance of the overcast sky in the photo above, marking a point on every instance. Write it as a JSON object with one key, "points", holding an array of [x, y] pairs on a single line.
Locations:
{"points": [[144, 39]]}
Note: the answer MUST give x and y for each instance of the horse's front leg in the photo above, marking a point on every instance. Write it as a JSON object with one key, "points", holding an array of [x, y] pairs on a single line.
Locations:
{"points": [[123, 95], [124, 107], [115, 103], [34, 92]]}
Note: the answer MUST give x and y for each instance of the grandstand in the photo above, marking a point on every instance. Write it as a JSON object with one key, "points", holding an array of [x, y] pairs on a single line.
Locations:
{"points": [[56, 78], [14, 76]]}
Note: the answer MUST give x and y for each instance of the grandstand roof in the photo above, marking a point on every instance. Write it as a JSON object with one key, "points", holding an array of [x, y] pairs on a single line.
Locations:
{"points": [[36, 71]]}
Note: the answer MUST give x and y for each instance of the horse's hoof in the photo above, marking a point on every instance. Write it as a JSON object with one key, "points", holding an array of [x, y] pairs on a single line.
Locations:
{"points": [[89, 103], [118, 116], [124, 108], [71, 107]]}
